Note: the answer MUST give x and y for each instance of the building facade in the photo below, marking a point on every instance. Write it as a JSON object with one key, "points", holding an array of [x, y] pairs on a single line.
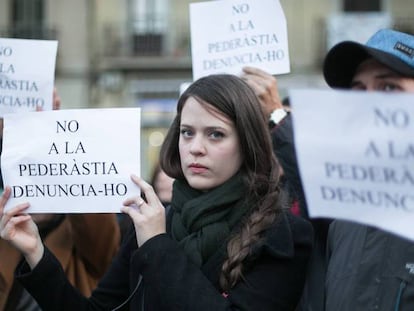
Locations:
{"points": [[126, 53]]}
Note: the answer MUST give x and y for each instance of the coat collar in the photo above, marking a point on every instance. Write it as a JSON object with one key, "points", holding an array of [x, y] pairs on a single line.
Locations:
{"points": [[279, 238]]}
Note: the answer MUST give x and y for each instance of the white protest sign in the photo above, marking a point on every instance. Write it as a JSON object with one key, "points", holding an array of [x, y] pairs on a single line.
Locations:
{"points": [[227, 35], [71, 161], [27, 70], [356, 153]]}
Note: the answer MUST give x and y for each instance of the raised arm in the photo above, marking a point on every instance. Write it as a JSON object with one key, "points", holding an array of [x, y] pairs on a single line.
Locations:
{"points": [[265, 87]]}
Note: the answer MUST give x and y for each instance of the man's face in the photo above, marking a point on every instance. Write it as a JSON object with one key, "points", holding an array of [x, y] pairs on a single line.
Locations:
{"points": [[373, 76]]}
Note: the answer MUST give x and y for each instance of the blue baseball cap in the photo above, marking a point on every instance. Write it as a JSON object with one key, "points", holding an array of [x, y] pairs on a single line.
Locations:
{"points": [[391, 48]]}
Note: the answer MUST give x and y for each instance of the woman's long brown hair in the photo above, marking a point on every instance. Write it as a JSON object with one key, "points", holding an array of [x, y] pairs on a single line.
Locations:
{"points": [[234, 99]]}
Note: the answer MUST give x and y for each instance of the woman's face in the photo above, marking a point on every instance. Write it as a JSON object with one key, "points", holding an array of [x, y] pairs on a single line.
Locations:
{"points": [[209, 146]]}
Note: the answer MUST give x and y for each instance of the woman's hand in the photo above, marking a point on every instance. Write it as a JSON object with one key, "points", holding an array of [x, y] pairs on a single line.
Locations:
{"points": [[56, 102], [149, 216], [19, 229]]}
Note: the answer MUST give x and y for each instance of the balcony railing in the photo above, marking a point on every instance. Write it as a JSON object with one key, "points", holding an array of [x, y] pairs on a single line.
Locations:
{"points": [[150, 44], [116, 41]]}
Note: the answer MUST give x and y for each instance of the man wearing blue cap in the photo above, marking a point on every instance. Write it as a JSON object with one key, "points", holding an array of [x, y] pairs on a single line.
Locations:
{"points": [[387, 50], [368, 269]]}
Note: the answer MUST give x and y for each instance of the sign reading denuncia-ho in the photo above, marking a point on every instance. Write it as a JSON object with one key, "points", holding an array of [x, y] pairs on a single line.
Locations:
{"points": [[27, 69], [356, 153], [71, 161], [227, 35]]}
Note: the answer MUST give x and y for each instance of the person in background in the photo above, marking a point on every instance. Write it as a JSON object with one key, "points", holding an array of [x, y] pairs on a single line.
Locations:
{"points": [[280, 122], [228, 241], [84, 244], [369, 269], [163, 185], [366, 268]]}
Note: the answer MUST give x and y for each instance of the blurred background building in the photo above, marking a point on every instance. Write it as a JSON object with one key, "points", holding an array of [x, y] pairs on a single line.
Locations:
{"points": [[125, 53]]}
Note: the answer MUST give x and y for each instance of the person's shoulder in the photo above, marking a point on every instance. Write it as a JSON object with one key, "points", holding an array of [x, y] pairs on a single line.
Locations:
{"points": [[298, 225], [288, 233], [344, 228]]}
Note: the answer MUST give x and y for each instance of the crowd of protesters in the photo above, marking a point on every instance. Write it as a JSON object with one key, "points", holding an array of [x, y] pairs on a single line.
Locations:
{"points": [[232, 236]]}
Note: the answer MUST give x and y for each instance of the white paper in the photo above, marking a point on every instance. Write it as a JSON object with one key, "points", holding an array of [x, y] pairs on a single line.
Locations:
{"points": [[227, 35], [27, 70], [71, 161], [355, 152]]}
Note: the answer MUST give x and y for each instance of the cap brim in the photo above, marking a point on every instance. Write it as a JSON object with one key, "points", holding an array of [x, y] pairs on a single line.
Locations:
{"points": [[343, 59]]}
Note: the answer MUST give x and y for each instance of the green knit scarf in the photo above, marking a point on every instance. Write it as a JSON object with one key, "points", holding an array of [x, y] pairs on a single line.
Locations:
{"points": [[202, 221]]}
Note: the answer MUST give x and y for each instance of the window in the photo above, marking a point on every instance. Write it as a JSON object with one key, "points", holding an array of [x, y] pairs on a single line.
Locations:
{"points": [[150, 23], [27, 19], [151, 16], [362, 5]]}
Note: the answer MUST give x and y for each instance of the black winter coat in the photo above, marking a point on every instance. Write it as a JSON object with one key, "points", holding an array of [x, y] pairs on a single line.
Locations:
{"points": [[274, 277]]}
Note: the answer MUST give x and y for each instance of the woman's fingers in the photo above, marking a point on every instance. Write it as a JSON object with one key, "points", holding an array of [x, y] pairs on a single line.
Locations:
{"points": [[148, 216], [4, 198], [138, 201], [151, 203], [150, 195], [143, 210], [13, 212], [12, 223], [132, 212], [11, 219]]}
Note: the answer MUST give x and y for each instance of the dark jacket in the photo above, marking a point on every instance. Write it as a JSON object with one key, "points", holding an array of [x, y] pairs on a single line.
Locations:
{"points": [[273, 279], [284, 149], [84, 244], [369, 269]]}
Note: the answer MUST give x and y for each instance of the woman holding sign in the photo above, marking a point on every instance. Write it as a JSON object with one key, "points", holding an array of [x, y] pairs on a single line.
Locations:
{"points": [[227, 241]]}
